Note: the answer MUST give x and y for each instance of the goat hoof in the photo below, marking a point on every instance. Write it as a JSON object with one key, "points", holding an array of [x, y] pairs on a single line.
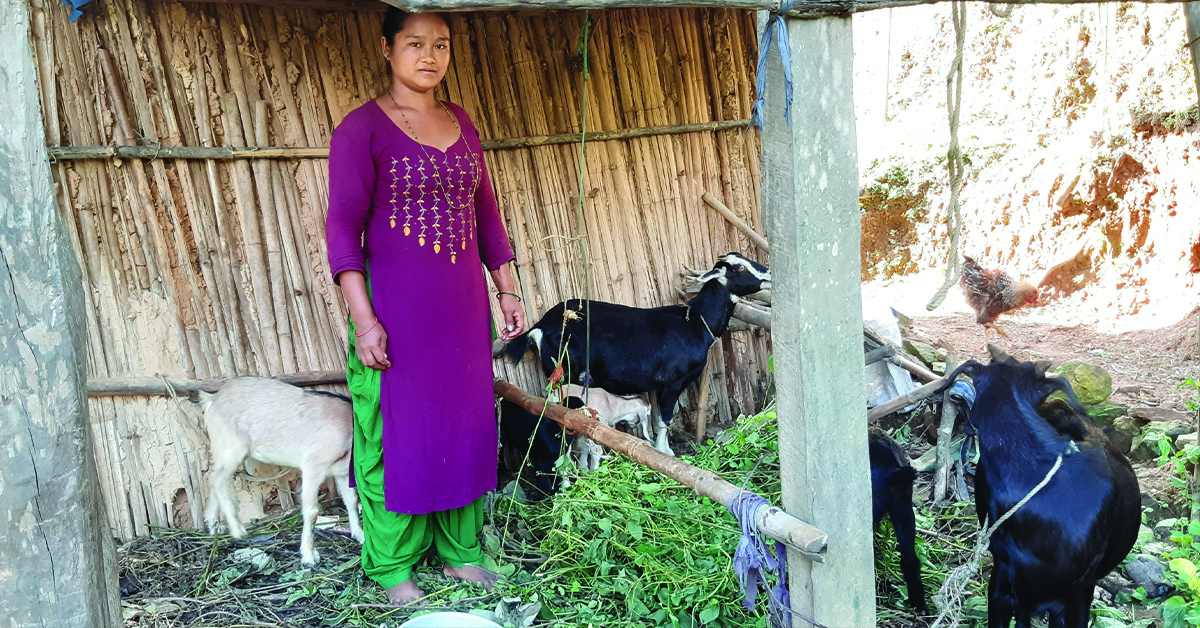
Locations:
{"points": [[310, 561], [358, 535]]}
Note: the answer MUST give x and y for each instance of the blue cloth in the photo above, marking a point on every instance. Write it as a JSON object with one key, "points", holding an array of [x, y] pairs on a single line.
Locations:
{"points": [[962, 393], [75, 4], [753, 561], [776, 29]]}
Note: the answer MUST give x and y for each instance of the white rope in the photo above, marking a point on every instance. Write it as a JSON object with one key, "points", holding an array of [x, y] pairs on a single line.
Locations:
{"points": [[954, 160], [949, 598]]}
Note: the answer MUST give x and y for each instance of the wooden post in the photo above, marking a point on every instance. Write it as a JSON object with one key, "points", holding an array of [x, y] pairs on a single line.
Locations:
{"points": [[55, 544], [810, 194]]}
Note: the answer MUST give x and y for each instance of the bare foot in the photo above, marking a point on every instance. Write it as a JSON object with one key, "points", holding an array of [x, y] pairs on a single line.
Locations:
{"points": [[405, 593], [472, 573]]}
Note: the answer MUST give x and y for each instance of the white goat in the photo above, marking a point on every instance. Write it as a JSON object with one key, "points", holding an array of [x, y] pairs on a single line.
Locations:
{"points": [[610, 409], [277, 423]]}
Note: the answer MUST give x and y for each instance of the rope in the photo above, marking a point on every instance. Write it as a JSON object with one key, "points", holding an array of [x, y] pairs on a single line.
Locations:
{"points": [[582, 49], [950, 597], [776, 28], [753, 561], [1004, 12], [954, 161]]}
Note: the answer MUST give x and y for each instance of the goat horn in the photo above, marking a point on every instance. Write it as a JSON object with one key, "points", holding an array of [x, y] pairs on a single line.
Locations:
{"points": [[1041, 366], [997, 353]]}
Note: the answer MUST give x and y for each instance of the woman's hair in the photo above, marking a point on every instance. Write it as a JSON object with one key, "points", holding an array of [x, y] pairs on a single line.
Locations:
{"points": [[394, 20]]}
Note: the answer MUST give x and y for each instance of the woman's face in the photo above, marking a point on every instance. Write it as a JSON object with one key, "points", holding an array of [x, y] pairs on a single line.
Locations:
{"points": [[420, 53]]}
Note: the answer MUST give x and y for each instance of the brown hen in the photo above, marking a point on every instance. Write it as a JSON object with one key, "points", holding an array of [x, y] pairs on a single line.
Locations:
{"points": [[993, 292]]}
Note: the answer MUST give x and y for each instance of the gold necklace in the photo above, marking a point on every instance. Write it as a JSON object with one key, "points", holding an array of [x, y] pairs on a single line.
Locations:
{"points": [[437, 176]]}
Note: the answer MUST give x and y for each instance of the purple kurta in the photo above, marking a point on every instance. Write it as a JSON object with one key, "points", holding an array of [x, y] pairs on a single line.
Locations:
{"points": [[439, 428]]}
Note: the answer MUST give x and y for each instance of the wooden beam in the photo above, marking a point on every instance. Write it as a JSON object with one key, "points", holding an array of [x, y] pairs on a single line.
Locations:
{"points": [[810, 198], [369, 6], [152, 387], [806, 540], [808, 9], [55, 544], [64, 153], [733, 219]]}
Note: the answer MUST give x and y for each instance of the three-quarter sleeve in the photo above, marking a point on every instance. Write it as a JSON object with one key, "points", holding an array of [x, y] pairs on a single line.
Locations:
{"points": [[494, 247], [351, 187]]}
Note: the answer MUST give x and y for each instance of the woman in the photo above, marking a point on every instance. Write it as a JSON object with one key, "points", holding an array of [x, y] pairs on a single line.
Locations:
{"points": [[411, 217]]}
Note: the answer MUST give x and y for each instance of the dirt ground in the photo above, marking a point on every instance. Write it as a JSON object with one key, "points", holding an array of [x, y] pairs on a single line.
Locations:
{"points": [[1147, 366]]}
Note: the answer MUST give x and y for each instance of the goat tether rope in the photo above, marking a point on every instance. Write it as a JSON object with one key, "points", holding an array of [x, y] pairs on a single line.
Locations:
{"points": [[949, 597], [954, 159]]}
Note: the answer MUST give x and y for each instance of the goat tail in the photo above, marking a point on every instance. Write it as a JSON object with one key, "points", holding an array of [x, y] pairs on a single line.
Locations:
{"points": [[517, 347], [204, 399]]}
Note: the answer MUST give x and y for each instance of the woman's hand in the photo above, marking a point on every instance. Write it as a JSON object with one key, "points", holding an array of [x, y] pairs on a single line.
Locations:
{"points": [[514, 317], [372, 348]]}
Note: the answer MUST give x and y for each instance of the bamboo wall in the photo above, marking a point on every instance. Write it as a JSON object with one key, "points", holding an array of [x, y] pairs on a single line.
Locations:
{"points": [[212, 268]]}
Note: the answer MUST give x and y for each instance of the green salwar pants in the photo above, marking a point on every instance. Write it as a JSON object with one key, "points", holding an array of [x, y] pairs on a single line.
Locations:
{"points": [[395, 541]]}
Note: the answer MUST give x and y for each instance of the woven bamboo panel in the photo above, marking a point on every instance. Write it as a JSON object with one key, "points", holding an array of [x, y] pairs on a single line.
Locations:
{"points": [[216, 268]]}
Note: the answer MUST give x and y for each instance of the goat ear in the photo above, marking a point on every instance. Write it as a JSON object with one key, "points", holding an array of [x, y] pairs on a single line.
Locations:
{"points": [[969, 368], [998, 354], [716, 273], [1042, 366]]}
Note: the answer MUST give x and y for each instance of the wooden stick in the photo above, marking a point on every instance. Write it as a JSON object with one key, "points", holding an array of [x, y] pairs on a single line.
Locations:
{"points": [[810, 9], [733, 219], [63, 153], [945, 435], [152, 387], [877, 354], [702, 401], [772, 522], [912, 366], [905, 400], [752, 315]]}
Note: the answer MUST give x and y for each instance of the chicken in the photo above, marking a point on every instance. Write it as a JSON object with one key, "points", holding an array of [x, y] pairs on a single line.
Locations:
{"points": [[992, 293]]}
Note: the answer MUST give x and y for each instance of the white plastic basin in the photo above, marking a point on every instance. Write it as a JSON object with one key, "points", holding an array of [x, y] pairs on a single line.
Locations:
{"points": [[449, 620]]}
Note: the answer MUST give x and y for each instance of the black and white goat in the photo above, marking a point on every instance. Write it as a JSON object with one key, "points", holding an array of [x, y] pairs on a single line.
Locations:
{"points": [[1051, 552], [891, 494], [277, 423], [638, 350]]}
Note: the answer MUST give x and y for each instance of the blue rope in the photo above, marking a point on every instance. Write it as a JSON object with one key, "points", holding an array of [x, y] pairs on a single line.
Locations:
{"points": [[74, 5], [753, 561], [776, 28]]}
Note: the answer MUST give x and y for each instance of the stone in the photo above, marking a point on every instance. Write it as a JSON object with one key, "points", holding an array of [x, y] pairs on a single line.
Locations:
{"points": [[1091, 384], [1150, 575], [1187, 439], [1174, 429], [1106, 412], [1157, 414], [1124, 430], [925, 352]]}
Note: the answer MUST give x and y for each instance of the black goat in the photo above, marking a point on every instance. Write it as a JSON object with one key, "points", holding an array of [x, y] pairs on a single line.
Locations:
{"points": [[635, 350], [1049, 555], [891, 494], [522, 431]]}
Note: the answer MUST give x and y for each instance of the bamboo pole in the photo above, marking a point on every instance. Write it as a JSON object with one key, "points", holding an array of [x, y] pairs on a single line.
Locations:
{"points": [[720, 207], [268, 208], [160, 387], [702, 401], [945, 433], [67, 153], [772, 521], [806, 10], [905, 400], [259, 293]]}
